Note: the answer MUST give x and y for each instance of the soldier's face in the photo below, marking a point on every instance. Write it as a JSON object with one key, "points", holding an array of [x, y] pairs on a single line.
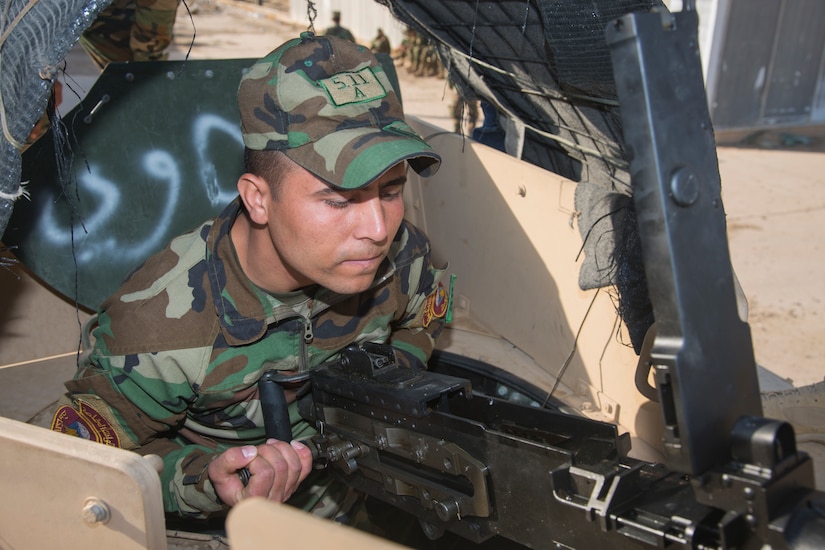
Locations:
{"points": [[336, 239]]}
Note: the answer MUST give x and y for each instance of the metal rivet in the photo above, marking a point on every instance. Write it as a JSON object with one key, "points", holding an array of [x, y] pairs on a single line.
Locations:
{"points": [[683, 187], [446, 509], [95, 511]]}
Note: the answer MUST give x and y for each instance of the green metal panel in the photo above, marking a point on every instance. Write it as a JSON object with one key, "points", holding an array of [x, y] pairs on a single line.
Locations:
{"points": [[154, 149]]}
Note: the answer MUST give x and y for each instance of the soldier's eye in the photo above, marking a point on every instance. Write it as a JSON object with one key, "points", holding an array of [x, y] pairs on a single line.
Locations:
{"points": [[337, 204]]}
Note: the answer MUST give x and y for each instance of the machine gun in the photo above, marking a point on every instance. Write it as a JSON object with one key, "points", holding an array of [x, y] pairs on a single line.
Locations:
{"points": [[481, 467]]}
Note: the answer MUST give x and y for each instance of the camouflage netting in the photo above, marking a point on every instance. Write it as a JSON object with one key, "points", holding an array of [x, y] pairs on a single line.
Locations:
{"points": [[545, 67], [36, 36]]}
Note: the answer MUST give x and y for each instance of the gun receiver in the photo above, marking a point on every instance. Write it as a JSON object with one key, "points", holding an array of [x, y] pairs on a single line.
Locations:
{"points": [[482, 467]]}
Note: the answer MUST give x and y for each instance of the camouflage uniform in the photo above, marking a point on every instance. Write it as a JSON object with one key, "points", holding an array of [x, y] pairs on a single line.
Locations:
{"points": [[131, 30], [180, 347]]}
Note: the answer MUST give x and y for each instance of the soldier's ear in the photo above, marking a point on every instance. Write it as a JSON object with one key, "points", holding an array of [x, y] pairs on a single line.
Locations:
{"points": [[255, 194]]}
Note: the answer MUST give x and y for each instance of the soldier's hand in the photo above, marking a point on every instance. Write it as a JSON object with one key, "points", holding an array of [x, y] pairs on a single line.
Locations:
{"points": [[276, 470]]}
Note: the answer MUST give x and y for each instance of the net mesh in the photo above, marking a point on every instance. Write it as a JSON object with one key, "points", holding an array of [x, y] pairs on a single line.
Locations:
{"points": [[36, 36], [545, 67]]}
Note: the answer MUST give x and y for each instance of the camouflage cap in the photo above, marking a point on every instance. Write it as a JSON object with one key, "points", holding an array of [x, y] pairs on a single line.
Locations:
{"points": [[330, 107]]}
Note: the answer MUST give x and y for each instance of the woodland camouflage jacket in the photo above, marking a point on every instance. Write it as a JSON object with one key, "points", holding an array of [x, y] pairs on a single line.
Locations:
{"points": [[180, 347], [131, 30]]}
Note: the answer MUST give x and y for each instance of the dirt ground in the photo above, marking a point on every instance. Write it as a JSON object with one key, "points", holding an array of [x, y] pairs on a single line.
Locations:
{"points": [[775, 200], [773, 188]]}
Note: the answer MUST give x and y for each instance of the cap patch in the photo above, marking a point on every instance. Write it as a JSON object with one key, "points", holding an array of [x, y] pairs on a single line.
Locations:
{"points": [[354, 87]]}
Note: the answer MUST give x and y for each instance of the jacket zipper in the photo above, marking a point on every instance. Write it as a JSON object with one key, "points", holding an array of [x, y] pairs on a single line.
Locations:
{"points": [[309, 336]]}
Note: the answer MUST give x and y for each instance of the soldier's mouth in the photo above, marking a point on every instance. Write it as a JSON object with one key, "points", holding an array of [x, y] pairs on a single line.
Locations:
{"points": [[367, 262]]}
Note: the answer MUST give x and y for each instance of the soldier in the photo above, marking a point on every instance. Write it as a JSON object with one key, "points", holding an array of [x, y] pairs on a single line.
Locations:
{"points": [[417, 53], [464, 110], [380, 44], [337, 30], [131, 30], [403, 52], [312, 255], [431, 63]]}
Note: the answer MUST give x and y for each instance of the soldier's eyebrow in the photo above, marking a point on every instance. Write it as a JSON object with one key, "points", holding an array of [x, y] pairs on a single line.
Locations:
{"points": [[329, 190], [400, 180]]}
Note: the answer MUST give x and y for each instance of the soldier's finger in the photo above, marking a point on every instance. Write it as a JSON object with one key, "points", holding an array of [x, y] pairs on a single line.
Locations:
{"points": [[305, 455], [277, 455], [298, 459]]}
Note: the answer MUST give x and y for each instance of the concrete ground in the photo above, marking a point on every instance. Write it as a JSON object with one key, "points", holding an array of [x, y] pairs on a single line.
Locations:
{"points": [[773, 188]]}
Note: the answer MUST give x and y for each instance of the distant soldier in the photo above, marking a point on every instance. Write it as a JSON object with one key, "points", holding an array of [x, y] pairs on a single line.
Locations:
{"points": [[380, 44], [402, 52], [464, 111], [131, 30], [337, 30], [417, 52], [430, 63]]}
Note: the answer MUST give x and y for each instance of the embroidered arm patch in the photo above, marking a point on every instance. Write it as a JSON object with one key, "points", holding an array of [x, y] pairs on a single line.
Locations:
{"points": [[436, 306], [84, 421]]}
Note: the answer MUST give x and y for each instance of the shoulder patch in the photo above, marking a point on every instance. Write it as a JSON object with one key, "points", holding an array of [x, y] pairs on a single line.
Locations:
{"points": [[436, 305], [86, 422]]}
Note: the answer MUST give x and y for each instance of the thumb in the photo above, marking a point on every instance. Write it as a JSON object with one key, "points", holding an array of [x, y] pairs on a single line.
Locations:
{"points": [[223, 472], [239, 460], [230, 461]]}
